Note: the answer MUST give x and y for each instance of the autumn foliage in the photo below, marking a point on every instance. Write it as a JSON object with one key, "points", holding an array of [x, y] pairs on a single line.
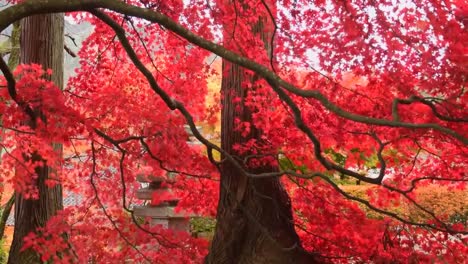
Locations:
{"points": [[352, 91]]}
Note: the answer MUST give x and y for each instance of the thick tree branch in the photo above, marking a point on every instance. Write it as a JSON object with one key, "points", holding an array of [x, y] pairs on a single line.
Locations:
{"points": [[297, 114], [170, 102], [30, 7], [280, 86], [316, 142], [275, 82]]}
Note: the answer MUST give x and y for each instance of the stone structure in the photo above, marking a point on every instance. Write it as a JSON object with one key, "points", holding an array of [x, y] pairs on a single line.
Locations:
{"points": [[163, 213]]}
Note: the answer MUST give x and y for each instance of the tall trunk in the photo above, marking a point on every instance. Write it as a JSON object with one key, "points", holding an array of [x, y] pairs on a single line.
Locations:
{"points": [[254, 217], [42, 43]]}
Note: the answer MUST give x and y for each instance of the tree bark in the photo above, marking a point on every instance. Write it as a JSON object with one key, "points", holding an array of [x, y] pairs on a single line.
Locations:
{"points": [[42, 40], [254, 216]]}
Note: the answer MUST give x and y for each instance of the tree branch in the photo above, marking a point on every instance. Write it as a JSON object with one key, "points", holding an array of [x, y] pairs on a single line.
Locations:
{"points": [[109, 217], [31, 7], [11, 86], [384, 212], [422, 100]]}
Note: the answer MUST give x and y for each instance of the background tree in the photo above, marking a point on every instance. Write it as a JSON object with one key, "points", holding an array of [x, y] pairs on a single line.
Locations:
{"points": [[254, 217], [42, 43]]}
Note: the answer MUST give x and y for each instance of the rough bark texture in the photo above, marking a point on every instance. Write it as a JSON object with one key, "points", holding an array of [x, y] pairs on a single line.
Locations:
{"points": [[41, 43], [254, 217]]}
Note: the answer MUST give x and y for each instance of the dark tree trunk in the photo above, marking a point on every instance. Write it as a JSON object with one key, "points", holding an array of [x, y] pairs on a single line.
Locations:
{"points": [[42, 43], [254, 217]]}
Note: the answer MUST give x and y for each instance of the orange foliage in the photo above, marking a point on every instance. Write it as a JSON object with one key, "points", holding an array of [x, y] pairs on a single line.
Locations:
{"points": [[443, 201]]}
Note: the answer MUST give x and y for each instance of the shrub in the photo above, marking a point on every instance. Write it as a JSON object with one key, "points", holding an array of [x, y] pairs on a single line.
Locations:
{"points": [[3, 253], [448, 204]]}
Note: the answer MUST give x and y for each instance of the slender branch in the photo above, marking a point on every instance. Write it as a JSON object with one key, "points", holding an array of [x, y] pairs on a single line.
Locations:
{"points": [[72, 39], [142, 42], [170, 102], [11, 86], [21, 163], [123, 152], [272, 40], [117, 142], [69, 51], [273, 79], [30, 7], [422, 100], [17, 130], [161, 164], [381, 211], [415, 181], [316, 142], [279, 85], [413, 164], [383, 164], [420, 207], [109, 217], [161, 239]]}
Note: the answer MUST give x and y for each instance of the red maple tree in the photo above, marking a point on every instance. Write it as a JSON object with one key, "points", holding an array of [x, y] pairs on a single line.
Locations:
{"points": [[335, 91]]}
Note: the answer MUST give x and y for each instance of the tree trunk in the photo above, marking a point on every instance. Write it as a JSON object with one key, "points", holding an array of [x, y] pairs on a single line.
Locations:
{"points": [[254, 216], [42, 43]]}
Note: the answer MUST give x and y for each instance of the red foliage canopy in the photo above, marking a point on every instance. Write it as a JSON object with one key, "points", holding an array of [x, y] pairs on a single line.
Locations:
{"points": [[369, 90]]}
